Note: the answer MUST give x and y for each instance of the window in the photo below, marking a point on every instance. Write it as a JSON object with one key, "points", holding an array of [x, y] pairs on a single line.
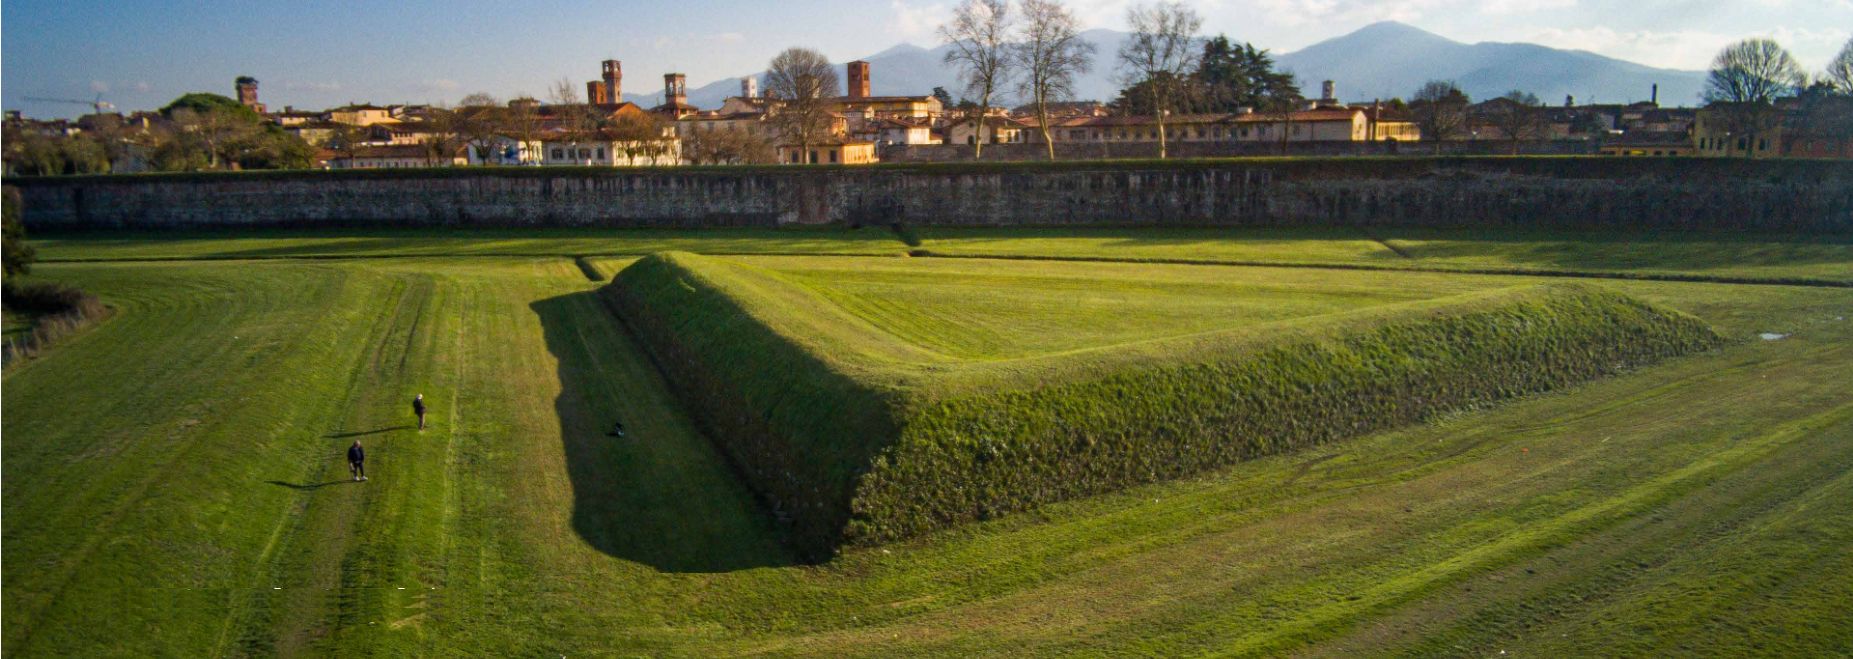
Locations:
{"points": [[601, 153], [833, 155], [813, 157], [971, 139], [558, 154]]}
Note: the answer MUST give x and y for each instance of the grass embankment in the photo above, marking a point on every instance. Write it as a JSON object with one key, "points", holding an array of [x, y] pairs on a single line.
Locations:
{"points": [[863, 437], [167, 470]]}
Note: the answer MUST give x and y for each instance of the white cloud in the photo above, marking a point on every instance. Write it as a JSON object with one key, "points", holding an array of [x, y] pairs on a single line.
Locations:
{"points": [[1687, 49], [917, 22], [99, 86], [1502, 7], [143, 86], [729, 37]]}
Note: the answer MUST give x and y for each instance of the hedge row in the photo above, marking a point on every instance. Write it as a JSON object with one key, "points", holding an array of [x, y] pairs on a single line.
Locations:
{"points": [[848, 448]]}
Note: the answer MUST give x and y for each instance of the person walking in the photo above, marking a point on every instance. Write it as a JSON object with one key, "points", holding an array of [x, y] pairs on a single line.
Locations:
{"points": [[357, 461], [418, 408]]}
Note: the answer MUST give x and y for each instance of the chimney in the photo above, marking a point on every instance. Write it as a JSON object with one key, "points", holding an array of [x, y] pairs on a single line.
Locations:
{"points": [[1569, 100], [1328, 91], [595, 93], [675, 89], [614, 78], [749, 87], [1655, 98], [859, 79]]}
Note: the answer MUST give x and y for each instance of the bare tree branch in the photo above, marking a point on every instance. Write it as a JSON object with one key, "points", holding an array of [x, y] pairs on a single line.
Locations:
{"points": [[1049, 53], [1162, 52], [979, 36]]}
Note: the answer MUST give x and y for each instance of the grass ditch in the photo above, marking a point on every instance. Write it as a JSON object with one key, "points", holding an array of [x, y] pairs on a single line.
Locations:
{"points": [[853, 437]]}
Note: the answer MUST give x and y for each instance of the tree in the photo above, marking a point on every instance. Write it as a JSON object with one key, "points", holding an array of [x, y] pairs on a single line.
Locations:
{"points": [[979, 37], [1049, 53], [1232, 77], [1519, 116], [944, 97], [1440, 109], [1742, 87], [17, 254], [804, 82], [1281, 107], [477, 124], [446, 135], [1161, 53], [727, 147], [1839, 71]]}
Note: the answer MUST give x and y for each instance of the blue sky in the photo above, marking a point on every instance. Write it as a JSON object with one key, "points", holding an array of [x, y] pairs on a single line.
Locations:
{"points": [[141, 53]]}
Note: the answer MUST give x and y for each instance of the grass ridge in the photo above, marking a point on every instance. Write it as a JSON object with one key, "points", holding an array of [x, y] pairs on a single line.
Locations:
{"points": [[861, 443]]}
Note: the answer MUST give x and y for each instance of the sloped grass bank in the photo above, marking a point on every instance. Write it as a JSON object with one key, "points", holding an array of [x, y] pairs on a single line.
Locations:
{"points": [[853, 436]]}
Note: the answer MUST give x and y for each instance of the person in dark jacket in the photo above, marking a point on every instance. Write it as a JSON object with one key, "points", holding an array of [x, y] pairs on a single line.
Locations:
{"points": [[357, 461], [418, 408]]}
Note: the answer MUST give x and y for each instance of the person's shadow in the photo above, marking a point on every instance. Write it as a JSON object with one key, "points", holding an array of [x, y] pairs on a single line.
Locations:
{"points": [[311, 486], [360, 433]]}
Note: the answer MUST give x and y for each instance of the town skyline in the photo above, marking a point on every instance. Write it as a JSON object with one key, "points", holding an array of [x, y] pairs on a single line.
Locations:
{"points": [[138, 57]]}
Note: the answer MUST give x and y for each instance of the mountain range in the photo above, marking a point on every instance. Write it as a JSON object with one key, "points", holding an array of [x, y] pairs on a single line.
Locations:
{"points": [[1379, 61]]}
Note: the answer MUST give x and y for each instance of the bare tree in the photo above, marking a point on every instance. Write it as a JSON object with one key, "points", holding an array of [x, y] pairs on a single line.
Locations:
{"points": [[1519, 116], [1839, 71], [446, 135], [805, 84], [477, 123], [1049, 53], [1440, 109], [1744, 82], [979, 36], [1162, 53]]}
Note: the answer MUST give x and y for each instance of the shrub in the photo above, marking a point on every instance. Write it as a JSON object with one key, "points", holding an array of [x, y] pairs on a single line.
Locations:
{"points": [[827, 421], [57, 311]]}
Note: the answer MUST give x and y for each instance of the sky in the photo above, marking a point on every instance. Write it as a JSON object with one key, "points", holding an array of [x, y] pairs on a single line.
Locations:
{"points": [[140, 54]]}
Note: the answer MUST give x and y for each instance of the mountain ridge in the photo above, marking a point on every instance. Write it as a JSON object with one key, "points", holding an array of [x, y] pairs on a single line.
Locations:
{"points": [[1382, 60]]}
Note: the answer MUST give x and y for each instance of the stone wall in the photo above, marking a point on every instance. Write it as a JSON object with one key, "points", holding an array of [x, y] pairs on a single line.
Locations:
{"points": [[912, 153], [1585, 193]]}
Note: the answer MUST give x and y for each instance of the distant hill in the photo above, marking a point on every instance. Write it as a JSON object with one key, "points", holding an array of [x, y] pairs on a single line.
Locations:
{"points": [[1381, 60], [1389, 59]]}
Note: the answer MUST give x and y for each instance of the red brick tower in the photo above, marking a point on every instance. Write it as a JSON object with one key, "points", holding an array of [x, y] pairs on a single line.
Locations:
{"points": [[595, 93], [858, 79], [614, 78]]}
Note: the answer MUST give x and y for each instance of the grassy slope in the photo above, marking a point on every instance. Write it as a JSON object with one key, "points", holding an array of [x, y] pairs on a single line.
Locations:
{"points": [[957, 440], [1690, 507]]}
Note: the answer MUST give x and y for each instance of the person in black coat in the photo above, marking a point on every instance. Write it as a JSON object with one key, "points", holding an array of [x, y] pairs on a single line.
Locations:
{"points": [[418, 408], [357, 461]]}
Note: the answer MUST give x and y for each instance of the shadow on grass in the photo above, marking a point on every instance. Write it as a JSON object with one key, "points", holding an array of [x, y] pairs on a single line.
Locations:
{"points": [[661, 495], [360, 433], [1621, 250], [311, 486]]}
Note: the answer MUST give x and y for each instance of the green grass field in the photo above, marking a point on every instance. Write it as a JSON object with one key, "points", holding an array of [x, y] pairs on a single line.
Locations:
{"points": [[173, 481]]}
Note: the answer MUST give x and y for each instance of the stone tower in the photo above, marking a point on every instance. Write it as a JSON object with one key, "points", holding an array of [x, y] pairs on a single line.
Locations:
{"points": [[675, 89], [614, 79], [749, 87], [859, 79], [247, 93]]}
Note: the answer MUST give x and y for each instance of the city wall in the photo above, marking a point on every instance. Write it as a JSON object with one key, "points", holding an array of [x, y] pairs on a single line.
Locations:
{"points": [[1567, 193]]}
